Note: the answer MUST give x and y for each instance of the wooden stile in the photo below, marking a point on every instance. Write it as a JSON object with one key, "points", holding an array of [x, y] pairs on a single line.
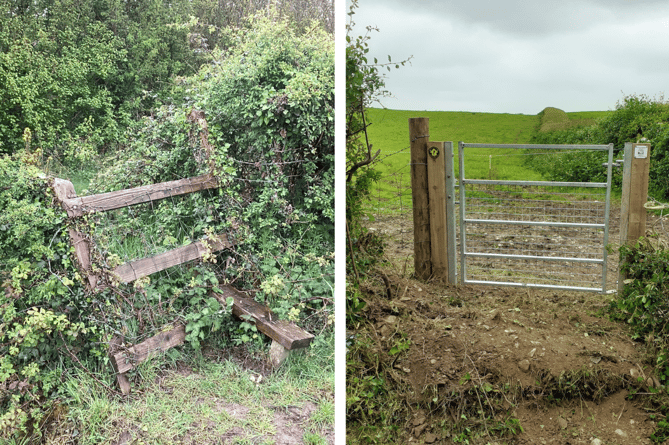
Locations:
{"points": [[286, 334]]}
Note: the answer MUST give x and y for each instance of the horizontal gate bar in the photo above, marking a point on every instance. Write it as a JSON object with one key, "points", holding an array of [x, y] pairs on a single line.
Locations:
{"points": [[540, 286], [535, 223], [538, 146], [536, 183], [533, 257]]}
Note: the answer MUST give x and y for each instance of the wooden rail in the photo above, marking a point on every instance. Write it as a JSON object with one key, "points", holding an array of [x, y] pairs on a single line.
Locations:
{"points": [[135, 270], [77, 206], [286, 336], [126, 360]]}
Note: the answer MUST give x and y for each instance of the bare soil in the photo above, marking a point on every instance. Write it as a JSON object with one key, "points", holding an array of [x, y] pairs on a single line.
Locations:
{"points": [[551, 359]]}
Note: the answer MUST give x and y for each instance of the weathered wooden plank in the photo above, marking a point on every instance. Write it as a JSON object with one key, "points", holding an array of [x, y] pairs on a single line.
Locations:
{"points": [[122, 379], [419, 134], [124, 361], [134, 270], [64, 191], [138, 195], [287, 334]]}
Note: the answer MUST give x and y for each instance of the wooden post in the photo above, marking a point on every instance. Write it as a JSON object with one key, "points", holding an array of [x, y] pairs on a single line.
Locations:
{"points": [[64, 191], [636, 165], [419, 134], [436, 179]]}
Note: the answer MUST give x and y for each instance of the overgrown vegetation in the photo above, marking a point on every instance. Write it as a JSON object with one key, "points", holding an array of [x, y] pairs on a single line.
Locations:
{"points": [[364, 86], [644, 306], [77, 74], [644, 303], [258, 114], [635, 119]]}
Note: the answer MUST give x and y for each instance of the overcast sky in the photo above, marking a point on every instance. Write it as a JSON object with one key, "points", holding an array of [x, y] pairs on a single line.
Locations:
{"points": [[519, 56]]}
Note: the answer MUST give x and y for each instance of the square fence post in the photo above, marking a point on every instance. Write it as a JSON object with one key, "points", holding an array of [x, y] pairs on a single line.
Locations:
{"points": [[636, 165], [436, 182]]}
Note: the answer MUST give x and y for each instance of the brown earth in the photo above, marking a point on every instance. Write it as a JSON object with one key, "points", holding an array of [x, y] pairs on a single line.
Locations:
{"points": [[551, 359]]}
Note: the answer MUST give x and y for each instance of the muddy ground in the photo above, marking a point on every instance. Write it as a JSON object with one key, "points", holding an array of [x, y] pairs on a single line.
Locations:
{"points": [[551, 359]]}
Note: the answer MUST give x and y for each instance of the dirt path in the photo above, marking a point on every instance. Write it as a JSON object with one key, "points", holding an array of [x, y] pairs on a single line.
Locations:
{"points": [[550, 359]]}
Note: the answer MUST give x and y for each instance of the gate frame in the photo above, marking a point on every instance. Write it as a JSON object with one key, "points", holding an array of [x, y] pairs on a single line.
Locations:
{"points": [[463, 221]]}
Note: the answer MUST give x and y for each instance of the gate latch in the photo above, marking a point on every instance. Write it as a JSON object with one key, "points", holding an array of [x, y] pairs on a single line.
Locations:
{"points": [[616, 163]]}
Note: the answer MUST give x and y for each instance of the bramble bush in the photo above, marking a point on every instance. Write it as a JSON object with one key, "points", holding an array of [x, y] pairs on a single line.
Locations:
{"points": [[269, 109], [41, 314], [644, 303]]}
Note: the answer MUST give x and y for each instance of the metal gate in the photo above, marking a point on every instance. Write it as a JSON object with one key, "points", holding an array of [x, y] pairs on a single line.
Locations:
{"points": [[534, 233]]}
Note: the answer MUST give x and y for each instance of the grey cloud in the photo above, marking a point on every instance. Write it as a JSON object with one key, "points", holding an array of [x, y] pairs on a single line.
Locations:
{"points": [[481, 56], [525, 17]]}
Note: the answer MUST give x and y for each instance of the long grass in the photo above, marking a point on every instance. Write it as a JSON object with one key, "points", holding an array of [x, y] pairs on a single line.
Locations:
{"points": [[193, 400]]}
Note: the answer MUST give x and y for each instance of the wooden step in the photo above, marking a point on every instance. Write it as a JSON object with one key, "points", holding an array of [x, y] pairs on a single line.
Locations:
{"points": [[287, 334]]}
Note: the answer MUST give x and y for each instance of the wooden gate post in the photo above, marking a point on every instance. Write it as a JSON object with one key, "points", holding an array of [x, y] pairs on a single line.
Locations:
{"points": [[636, 165], [436, 179], [419, 134]]}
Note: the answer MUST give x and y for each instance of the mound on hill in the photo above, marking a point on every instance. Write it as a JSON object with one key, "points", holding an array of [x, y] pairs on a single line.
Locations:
{"points": [[553, 119]]}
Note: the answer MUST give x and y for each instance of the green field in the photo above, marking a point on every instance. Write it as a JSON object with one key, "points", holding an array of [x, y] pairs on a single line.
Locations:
{"points": [[389, 132]]}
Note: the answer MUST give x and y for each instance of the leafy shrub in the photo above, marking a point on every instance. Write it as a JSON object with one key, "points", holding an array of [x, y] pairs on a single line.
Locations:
{"points": [[644, 303], [43, 304], [636, 117]]}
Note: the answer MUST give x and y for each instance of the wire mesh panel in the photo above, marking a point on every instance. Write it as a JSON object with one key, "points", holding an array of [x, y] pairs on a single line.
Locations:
{"points": [[534, 233]]}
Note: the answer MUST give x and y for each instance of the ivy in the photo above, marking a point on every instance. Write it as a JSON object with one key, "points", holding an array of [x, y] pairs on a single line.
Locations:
{"points": [[41, 289]]}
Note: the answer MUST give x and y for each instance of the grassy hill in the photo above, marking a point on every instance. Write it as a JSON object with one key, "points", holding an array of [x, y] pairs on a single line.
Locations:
{"points": [[389, 132]]}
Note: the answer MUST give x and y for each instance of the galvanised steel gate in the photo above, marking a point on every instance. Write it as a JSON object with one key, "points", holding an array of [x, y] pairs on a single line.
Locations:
{"points": [[534, 233]]}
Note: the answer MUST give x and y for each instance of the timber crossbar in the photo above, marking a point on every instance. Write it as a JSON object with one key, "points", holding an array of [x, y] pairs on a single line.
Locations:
{"points": [[77, 206], [286, 336]]}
